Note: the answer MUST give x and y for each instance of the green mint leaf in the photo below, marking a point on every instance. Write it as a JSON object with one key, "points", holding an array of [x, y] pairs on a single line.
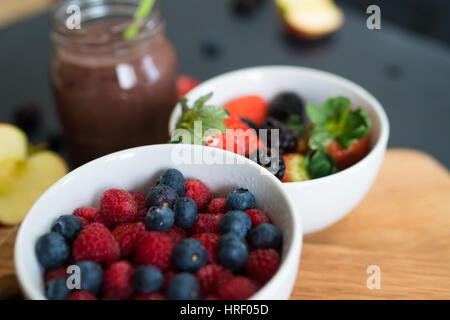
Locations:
{"points": [[319, 138], [316, 114], [295, 122], [357, 126], [320, 164], [334, 108]]}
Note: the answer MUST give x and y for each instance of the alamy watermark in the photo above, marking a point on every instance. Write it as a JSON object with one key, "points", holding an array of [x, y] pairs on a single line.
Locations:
{"points": [[374, 20], [374, 280], [74, 20]]}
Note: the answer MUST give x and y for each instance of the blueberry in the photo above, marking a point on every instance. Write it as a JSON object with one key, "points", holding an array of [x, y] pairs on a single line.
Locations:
{"points": [[174, 179], [241, 199], [57, 289], [159, 218], [147, 279], [185, 212], [52, 250], [184, 287], [266, 236], [189, 255], [237, 222], [161, 195], [69, 226], [233, 252], [286, 104], [91, 276]]}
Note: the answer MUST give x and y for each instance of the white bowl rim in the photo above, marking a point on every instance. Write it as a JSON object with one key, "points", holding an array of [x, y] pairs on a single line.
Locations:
{"points": [[297, 230], [359, 90]]}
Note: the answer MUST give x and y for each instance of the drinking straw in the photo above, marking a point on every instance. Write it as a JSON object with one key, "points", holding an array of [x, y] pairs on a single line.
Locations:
{"points": [[142, 11]]}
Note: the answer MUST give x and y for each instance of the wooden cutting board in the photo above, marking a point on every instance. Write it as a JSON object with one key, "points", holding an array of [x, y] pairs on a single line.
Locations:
{"points": [[402, 227]]}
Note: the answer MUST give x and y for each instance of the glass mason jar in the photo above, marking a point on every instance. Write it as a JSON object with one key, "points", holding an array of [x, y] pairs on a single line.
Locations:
{"points": [[111, 93]]}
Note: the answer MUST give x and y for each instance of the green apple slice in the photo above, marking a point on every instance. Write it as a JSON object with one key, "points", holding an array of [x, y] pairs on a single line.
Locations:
{"points": [[31, 179], [13, 142]]}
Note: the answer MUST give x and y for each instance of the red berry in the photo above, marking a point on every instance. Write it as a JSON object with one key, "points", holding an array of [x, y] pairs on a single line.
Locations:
{"points": [[206, 223], [237, 288], [97, 244], [127, 235], [116, 207], [155, 248], [176, 234], [139, 198], [117, 281], [84, 221], [210, 242], [218, 205], [262, 264], [253, 108], [150, 296], [199, 192], [55, 274], [87, 213], [211, 297], [185, 84], [81, 295], [211, 277], [257, 217]]}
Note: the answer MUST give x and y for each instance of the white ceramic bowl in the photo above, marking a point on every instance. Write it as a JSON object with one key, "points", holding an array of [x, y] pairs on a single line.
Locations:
{"points": [[137, 169], [320, 202]]}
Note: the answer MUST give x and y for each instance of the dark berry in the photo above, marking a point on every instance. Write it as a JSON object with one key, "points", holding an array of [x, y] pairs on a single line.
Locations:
{"points": [[91, 276], [266, 236], [246, 7], [241, 199], [69, 226], [57, 289], [52, 250], [174, 179], [189, 255], [184, 287], [147, 279], [237, 222], [251, 124], [285, 104], [233, 252], [28, 117], [161, 195], [185, 210], [287, 139], [264, 159], [159, 218]]}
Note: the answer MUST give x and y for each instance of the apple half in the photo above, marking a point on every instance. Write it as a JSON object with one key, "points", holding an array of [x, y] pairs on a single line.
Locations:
{"points": [[310, 19]]}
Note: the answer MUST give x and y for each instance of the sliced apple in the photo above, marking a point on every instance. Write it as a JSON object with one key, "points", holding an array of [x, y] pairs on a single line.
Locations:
{"points": [[34, 176], [310, 19], [13, 142]]}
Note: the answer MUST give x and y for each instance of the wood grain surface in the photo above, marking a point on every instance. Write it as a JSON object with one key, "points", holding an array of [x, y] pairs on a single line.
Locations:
{"points": [[402, 226], [11, 11]]}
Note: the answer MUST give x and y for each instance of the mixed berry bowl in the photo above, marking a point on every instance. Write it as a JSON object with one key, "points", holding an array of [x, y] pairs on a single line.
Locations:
{"points": [[332, 133], [255, 214]]}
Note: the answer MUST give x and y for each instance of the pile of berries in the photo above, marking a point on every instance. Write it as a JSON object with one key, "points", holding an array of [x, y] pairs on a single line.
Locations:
{"points": [[176, 242]]}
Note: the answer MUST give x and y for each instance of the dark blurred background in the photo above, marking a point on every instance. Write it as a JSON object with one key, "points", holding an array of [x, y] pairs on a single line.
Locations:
{"points": [[406, 64]]}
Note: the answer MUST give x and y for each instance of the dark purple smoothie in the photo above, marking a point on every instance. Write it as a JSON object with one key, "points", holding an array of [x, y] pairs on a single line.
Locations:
{"points": [[111, 93]]}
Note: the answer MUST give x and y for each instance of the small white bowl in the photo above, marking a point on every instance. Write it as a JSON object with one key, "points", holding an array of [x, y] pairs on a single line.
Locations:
{"points": [[320, 202], [137, 169]]}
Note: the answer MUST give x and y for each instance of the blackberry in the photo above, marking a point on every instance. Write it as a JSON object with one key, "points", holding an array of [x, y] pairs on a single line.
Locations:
{"points": [[264, 159], [288, 140], [285, 104]]}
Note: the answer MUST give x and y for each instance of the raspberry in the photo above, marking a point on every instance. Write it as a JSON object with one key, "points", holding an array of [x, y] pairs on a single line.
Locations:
{"points": [[210, 242], [87, 213], [117, 282], [116, 207], [149, 296], [127, 235], [176, 234], [97, 244], [55, 274], [237, 288], [218, 205], [81, 295], [262, 264], [206, 223], [84, 221], [155, 248], [257, 217], [211, 277], [139, 198], [199, 192]]}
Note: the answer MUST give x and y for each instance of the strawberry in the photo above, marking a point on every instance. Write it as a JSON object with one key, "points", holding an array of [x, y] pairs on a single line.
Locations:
{"points": [[348, 157], [185, 84], [295, 169], [219, 128], [253, 108]]}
